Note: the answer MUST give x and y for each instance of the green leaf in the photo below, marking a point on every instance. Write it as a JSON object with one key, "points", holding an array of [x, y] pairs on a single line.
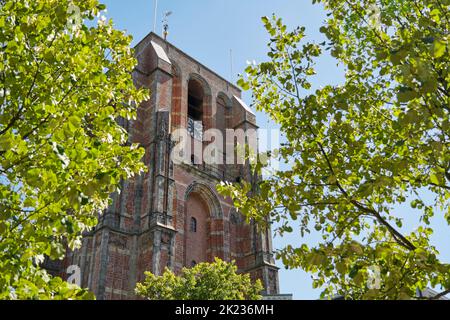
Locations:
{"points": [[341, 267], [406, 95], [74, 122], [243, 84], [439, 48], [3, 228], [356, 248], [434, 179]]}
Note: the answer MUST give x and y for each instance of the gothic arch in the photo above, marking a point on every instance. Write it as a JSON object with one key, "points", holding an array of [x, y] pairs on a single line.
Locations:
{"points": [[225, 99], [202, 81], [208, 195]]}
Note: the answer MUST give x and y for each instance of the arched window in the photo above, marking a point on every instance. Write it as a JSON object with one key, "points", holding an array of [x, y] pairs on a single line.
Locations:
{"points": [[195, 100], [193, 225], [195, 109], [193, 263]]}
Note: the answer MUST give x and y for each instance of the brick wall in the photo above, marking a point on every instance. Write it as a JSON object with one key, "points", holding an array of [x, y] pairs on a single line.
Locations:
{"points": [[147, 226]]}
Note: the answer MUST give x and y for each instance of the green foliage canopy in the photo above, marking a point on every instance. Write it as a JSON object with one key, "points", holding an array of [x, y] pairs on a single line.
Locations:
{"points": [[358, 150], [204, 281], [62, 87]]}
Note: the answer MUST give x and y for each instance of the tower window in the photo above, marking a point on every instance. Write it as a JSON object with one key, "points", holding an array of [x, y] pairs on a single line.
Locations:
{"points": [[195, 100], [193, 227], [195, 109]]}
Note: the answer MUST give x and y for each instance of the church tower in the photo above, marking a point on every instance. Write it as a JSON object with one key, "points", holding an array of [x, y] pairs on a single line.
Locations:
{"points": [[172, 216]]}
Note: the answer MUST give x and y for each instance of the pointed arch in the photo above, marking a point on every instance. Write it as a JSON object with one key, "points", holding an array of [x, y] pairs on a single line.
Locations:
{"points": [[221, 96], [208, 195], [205, 86]]}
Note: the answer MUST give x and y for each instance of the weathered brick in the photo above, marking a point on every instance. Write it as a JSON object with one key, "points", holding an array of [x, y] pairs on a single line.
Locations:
{"points": [[148, 225]]}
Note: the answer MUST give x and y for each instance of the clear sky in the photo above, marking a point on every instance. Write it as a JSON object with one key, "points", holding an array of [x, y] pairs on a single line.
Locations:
{"points": [[207, 30]]}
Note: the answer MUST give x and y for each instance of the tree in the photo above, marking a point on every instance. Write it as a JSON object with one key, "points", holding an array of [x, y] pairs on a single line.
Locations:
{"points": [[63, 85], [204, 281], [359, 149]]}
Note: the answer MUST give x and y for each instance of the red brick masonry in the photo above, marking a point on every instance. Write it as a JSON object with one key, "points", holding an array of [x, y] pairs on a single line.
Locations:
{"points": [[148, 225]]}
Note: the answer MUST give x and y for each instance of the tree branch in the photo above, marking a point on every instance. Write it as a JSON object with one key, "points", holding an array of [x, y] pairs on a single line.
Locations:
{"points": [[440, 295]]}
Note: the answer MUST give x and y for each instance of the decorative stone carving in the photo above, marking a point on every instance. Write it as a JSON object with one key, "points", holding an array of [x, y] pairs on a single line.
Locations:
{"points": [[165, 238], [162, 130]]}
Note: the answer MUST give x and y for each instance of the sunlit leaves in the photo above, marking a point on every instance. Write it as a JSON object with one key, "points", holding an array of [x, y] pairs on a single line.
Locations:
{"points": [[204, 281], [439, 48], [63, 87], [359, 151]]}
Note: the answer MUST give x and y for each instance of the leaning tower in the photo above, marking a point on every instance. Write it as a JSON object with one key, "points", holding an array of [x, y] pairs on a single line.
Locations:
{"points": [[172, 216]]}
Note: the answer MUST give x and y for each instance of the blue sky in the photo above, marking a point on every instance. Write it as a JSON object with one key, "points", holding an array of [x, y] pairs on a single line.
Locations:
{"points": [[207, 30]]}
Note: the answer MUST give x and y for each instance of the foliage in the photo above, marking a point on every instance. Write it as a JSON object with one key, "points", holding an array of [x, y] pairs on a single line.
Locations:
{"points": [[204, 281], [359, 152], [62, 87]]}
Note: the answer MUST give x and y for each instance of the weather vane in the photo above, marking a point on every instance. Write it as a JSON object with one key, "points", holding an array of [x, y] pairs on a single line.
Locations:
{"points": [[166, 24]]}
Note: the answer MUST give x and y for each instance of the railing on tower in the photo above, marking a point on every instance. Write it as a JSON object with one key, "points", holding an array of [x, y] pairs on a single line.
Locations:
{"points": [[195, 128]]}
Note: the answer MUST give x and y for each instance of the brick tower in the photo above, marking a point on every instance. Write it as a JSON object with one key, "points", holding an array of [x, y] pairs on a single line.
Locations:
{"points": [[172, 216]]}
